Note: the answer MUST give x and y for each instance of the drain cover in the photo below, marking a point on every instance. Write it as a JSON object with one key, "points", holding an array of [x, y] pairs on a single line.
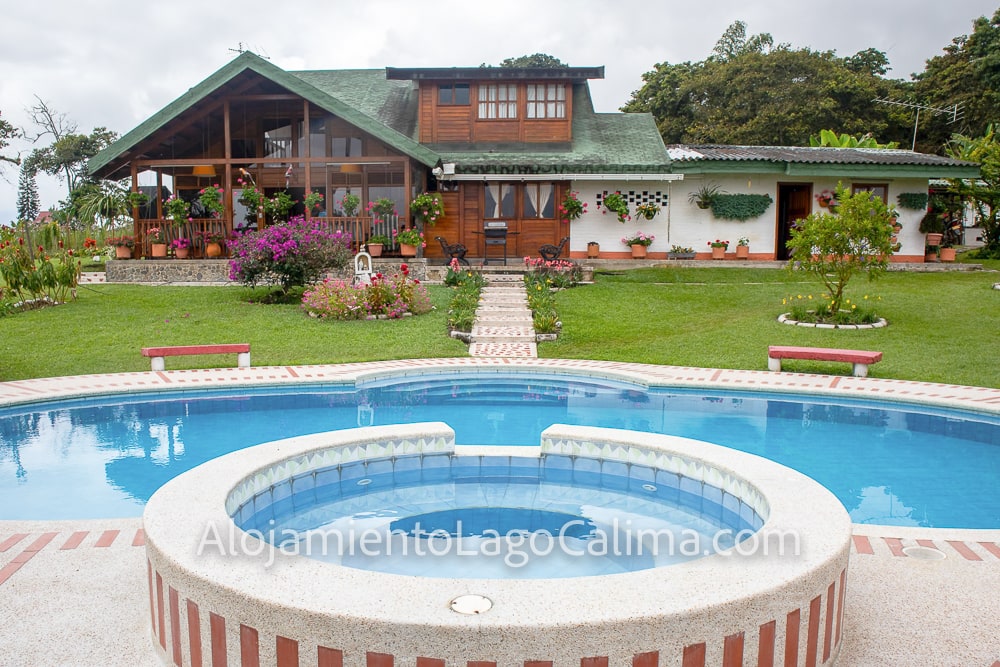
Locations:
{"points": [[471, 604], [924, 553]]}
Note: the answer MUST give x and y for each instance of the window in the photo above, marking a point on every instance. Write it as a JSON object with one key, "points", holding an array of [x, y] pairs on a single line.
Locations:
{"points": [[880, 190], [539, 200], [453, 93], [497, 101], [546, 100], [499, 201], [346, 147]]}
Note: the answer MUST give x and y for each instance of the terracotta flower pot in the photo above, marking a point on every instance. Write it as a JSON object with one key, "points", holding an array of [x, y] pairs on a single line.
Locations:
{"points": [[213, 250], [934, 239], [158, 249], [375, 249], [638, 251], [742, 252], [718, 252], [947, 254], [593, 250], [182, 253], [122, 252], [407, 250]]}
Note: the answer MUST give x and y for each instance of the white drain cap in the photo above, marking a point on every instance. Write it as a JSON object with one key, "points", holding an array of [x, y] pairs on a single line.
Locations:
{"points": [[471, 604]]}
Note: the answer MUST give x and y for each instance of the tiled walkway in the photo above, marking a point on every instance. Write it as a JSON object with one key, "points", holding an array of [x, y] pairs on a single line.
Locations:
{"points": [[503, 326], [75, 592]]}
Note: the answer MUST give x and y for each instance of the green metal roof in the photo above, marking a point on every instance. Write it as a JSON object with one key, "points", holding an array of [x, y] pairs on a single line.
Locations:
{"points": [[603, 143], [309, 85]]}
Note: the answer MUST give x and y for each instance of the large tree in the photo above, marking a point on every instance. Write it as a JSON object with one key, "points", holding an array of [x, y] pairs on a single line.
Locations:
{"points": [[966, 74], [7, 132], [67, 156], [27, 195], [750, 93]]}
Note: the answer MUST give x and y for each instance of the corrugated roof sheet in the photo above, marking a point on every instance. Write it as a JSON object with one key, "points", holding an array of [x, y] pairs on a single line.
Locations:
{"points": [[807, 155]]}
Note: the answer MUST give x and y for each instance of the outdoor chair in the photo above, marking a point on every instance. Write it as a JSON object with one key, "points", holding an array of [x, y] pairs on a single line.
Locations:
{"points": [[454, 250], [550, 252]]}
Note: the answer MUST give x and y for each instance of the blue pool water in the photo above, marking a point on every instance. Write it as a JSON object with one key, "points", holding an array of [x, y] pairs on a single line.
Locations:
{"points": [[497, 517], [887, 463]]}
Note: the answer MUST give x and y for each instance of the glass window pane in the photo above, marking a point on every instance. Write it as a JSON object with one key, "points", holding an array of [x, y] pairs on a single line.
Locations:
{"points": [[461, 93], [507, 200]]}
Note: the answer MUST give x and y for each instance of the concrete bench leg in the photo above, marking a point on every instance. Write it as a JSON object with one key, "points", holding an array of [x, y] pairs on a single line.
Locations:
{"points": [[157, 363], [243, 360], [773, 364], [860, 370]]}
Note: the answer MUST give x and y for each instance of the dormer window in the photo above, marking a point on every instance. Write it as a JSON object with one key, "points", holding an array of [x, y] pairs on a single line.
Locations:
{"points": [[453, 94], [497, 101], [546, 100]]}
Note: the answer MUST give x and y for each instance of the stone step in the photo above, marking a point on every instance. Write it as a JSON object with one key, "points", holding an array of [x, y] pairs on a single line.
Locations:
{"points": [[504, 350], [502, 334], [486, 321]]}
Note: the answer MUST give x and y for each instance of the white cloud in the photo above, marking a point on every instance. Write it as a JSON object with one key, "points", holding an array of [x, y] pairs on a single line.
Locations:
{"points": [[115, 62]]}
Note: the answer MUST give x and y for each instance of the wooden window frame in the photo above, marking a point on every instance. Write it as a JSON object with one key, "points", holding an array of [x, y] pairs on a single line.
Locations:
{"points": [[451, 88], [484, 106], [543, 102]]}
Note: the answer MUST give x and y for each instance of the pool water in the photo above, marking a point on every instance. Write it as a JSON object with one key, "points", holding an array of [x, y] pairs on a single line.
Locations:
{"points": [[887, 463], [497, 517]]}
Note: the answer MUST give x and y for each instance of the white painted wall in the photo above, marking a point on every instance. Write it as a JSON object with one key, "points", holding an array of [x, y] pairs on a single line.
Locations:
{"points": [[683, 223]]}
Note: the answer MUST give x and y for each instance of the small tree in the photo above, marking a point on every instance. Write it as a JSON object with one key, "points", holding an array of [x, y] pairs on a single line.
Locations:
{"points": [[28, 205], [982, 192], [856, 238], [295, 253]]}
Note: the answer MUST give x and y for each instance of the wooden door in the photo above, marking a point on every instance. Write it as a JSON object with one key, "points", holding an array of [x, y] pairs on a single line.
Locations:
{"points": [[794, 203]]}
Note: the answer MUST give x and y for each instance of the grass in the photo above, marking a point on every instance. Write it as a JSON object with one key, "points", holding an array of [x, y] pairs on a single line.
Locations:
{"points": [[944, 327]]}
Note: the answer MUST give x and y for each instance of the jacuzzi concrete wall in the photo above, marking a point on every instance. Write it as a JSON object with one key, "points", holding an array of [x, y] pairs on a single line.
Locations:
{"points": [[719, 610]]}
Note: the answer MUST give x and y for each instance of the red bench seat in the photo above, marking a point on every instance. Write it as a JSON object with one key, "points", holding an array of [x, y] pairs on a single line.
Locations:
{"points": [[241, 350], [860, 359]]}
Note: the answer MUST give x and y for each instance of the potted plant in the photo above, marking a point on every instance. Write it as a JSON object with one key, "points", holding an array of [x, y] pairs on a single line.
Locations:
{"points": [[157, 242], [382, 208], [123, 246], [213, 241], [593, 249], [743, 248], [182, 247], [638, 242], [647, 211], [137, 199], [349, 204], [211, 198], [719, 248], [376, 243], [250, 197], [279, 205], [427, 207], [408, 240], [177, 209], [932, 226], [680, 252], [825, 198], [616, 203], [571, 207], [704, 196], [311, 201]]}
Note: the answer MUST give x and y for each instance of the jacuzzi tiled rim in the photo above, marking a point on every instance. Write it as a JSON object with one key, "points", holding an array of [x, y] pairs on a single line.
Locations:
{"points": [[666, 612]]}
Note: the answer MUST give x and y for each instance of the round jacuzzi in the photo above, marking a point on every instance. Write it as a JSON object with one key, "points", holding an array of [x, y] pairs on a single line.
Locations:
{"points": [[385, 545]]}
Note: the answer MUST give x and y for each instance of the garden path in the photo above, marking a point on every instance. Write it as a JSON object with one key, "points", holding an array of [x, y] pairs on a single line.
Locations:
{"points": [[503, 326]]}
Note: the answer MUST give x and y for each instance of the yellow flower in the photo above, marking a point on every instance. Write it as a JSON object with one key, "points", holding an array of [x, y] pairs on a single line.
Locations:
{"points": [[810, 297]]}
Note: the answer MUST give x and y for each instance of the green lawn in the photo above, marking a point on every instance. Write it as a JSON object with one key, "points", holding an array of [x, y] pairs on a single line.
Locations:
{"points": [[944, 327]]}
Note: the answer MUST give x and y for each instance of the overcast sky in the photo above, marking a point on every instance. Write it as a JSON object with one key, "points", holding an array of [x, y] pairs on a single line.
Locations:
{"points": [[114, 63]]}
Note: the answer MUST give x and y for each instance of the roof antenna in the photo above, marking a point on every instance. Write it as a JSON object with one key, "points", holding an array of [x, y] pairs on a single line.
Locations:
{"points": [[239, 49], [956, 112]]}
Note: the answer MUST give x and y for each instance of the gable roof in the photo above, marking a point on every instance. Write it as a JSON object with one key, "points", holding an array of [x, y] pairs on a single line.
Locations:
{"points": [[816, 161], [307, 85]]}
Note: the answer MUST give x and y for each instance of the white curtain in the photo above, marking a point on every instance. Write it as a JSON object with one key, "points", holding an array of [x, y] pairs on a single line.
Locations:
{"points": [[532, 190], [492, 193], [546, 190]]}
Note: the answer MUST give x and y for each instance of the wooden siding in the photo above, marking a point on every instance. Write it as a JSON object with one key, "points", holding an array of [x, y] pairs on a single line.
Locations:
{"points": [[460, 122]]}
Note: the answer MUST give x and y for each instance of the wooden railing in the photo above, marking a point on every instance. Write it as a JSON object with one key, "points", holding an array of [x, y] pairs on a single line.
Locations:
{"points": [[361, 228]]}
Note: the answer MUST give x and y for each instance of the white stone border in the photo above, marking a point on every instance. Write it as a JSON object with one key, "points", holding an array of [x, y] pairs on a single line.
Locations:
{"points": [[618, 616], [784, 319]]}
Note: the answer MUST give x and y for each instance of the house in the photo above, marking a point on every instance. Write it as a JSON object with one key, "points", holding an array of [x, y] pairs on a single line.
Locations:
{"points": [[503, 147]]}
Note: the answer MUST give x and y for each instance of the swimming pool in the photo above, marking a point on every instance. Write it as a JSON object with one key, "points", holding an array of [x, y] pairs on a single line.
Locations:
{"points": [[888, 463]]}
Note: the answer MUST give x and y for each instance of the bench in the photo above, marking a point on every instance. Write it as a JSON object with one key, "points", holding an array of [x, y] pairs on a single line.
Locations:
{"points": [[860, 358], [242, 350]]}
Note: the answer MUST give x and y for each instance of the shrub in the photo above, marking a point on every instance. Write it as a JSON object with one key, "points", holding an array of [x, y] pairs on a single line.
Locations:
{"points": [[393, 296], [834, 247], [298, 252], [34, 280], [467, 285], [557, 273]]}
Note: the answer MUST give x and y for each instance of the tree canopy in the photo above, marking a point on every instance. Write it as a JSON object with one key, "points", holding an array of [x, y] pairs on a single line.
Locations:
{"points": [[7, 132], [984, 192], [534, 60]]}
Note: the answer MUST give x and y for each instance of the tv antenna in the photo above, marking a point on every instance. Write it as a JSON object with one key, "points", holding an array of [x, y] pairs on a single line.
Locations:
{"points": [[239, 49], [956, 112]]}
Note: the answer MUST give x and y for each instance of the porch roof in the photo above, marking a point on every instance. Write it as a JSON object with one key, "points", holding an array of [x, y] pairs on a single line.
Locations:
{"points": [[361, 108], [816, 161]]}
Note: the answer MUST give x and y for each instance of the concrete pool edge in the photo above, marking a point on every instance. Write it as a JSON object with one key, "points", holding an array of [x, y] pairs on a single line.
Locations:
{"points": [[787, 605]]}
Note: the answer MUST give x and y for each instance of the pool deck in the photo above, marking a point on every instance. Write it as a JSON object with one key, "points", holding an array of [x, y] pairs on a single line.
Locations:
{"points": [[75, 592]]}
